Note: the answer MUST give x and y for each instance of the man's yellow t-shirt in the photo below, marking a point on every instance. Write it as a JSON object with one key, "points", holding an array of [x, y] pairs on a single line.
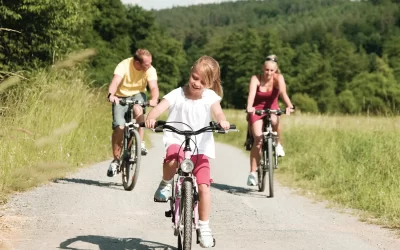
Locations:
{"points": [[133, 81]]}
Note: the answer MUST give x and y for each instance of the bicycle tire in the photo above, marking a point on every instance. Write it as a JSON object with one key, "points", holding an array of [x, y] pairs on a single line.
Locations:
{"points": [[271, 167], [262, 171], [130, 166], [187, 202]]}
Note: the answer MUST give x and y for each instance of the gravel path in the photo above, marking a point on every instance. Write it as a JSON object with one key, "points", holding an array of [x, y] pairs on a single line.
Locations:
{"points": [[88, 210]]}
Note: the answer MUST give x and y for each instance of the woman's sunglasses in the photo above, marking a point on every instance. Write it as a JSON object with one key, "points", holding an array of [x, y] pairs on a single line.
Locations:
{"points": [[271, 59]]}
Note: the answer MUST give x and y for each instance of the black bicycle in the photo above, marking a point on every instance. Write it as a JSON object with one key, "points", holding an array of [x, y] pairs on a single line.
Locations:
{"points": [[131, 151], [269, 158], [185, 197]]}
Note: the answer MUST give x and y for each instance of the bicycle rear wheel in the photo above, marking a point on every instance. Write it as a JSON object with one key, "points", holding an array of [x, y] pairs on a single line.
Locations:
{"points": [[262, 170], [131, 163], [185, 238], [271, 167]]}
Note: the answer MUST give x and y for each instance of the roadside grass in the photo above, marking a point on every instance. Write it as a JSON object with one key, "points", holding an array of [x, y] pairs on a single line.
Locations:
{"points": [[50, 124], [352, 161]]}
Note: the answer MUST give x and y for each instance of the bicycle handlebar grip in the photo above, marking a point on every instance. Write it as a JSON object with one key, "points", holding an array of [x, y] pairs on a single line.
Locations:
{"points": [[160, 123], [142, 124], [258, 112], [233, 126], [122, 102], [158, 130]]}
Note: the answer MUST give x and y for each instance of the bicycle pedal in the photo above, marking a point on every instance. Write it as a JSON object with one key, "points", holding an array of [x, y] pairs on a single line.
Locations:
{"points": [[197, 236], [213, 242], [155, 200], [168, 213]]}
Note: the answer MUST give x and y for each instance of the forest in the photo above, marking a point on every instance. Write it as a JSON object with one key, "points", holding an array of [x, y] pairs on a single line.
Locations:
{"points": [[337, 56]]}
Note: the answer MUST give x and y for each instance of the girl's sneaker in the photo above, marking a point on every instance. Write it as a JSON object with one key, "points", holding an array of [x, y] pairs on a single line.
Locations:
{"points": [[206, 238], [163, 192]]}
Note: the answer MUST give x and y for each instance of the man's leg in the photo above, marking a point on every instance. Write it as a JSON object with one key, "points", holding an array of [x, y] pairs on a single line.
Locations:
{"points": [[116, 140], [118, 124], [139, 116]]}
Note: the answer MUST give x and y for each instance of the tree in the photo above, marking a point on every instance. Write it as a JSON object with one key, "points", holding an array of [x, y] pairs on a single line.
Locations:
{"points": [[168, 59], [46, 30]]}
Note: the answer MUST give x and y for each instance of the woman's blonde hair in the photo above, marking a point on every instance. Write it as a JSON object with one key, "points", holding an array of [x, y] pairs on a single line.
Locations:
{"points": [[209, 70], [273, 58]]}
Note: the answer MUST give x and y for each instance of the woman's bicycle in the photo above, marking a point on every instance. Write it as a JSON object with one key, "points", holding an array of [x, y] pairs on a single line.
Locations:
{"points": [[131, 147], [185, 196], [269, 158]]}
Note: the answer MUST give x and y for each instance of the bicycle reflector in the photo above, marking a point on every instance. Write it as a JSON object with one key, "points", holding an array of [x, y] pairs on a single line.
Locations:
{"points": [[187, 166]]}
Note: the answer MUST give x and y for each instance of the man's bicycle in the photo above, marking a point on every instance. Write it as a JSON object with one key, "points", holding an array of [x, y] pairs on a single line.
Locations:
{"points": [[185, 196], [269, 158], [130, 156]]}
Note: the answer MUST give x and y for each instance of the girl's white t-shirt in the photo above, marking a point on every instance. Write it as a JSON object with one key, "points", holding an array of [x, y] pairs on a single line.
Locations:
{"points": [[195, 113]]}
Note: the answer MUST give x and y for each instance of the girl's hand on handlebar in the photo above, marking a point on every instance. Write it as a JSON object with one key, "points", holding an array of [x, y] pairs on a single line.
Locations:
{"points": [[113, 99], [150, 123], [224, 124]]}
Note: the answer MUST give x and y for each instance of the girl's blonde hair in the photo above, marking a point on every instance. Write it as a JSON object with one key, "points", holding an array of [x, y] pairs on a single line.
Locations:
{"points": [[273, 58], [209, 70]]}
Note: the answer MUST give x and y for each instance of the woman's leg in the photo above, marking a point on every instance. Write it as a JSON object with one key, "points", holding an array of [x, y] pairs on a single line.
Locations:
{"points": [[256, 149], [277, 127]]}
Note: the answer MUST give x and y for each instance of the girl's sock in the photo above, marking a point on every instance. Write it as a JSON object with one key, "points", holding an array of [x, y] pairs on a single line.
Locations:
{"points": [[167, 182], [203, 223]]}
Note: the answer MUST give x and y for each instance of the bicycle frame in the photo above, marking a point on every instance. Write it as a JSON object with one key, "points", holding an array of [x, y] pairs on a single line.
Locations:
{"points": [[131, 154], [130, 124], [176, 196]]}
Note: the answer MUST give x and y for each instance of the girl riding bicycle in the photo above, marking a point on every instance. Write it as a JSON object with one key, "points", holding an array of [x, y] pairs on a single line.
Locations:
{"points": [[193, 105]]}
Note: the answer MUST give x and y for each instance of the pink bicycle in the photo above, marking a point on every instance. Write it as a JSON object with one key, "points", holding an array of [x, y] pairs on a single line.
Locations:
{"points": [[185, 197]]}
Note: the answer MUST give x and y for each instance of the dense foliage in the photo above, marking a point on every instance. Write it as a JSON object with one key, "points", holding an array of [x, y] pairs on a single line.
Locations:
{"points": [[336, 55]]}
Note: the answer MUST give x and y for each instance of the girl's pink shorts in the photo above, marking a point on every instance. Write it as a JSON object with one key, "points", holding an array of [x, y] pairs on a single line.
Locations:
{"points": [[201, 164]]}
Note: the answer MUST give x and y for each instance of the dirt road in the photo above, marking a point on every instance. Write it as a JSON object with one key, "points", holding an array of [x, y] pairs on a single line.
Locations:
{"points": [[88, 210]]}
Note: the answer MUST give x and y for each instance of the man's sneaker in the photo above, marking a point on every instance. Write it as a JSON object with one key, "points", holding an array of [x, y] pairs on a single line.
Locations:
{"points": [[163, 192], [206, 239], [279, 150], [144, 149], [252, 179], [112, 169]]}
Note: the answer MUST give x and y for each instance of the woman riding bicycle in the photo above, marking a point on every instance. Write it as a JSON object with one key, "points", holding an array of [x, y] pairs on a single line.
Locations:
{"points": [[264, 91], [193, 104]]}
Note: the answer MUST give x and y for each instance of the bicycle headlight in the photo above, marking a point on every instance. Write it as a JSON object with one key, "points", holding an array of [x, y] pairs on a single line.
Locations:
{"points": [[187, 166]]}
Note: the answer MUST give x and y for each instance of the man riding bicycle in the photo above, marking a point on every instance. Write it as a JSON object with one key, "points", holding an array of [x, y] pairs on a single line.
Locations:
{"points": [[131, 77]]}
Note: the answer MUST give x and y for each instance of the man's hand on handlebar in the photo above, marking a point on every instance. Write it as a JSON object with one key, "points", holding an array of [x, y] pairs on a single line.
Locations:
{"points": [[153, 103], [113, 99]]}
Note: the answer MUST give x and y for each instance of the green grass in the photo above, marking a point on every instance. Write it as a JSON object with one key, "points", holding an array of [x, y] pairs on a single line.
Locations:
{"points": [[352, 161], [50, 125]]}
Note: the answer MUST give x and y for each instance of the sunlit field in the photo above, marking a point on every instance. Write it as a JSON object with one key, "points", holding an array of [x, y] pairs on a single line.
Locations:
{"points": [[350, 160]]}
